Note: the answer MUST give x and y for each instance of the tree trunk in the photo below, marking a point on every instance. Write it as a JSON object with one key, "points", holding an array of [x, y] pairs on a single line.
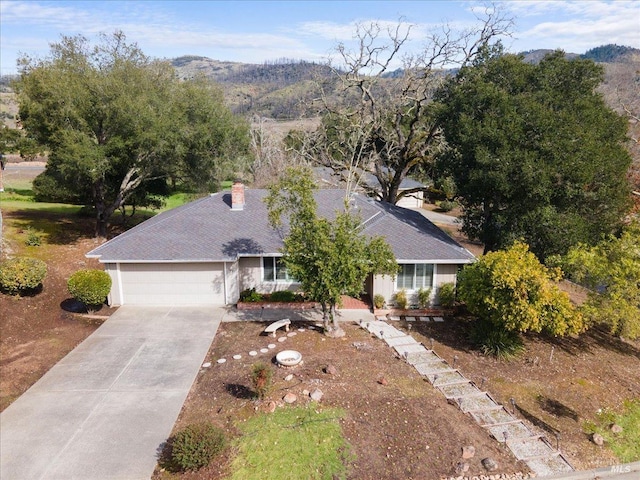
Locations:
{"points": [[325, 317], [104, 211], [489, 232], [335, 331], [101, 225], [393, 193], [102, 219]]}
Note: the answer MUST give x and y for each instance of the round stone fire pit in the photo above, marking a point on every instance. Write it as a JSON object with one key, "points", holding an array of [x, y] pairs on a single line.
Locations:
{"points": [[289, 358]]}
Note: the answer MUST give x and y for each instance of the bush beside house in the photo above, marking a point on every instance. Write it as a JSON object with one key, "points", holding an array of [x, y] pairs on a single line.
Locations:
{"points": [[90, 287]]}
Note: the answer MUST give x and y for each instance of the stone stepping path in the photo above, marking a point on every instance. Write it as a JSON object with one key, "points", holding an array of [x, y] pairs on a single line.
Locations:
{"points": [[404, 350], [526, 445], [422, 357], [403, 340], [508, 431]]}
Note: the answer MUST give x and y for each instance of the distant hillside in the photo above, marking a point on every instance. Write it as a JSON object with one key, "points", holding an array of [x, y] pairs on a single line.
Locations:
{"points": [[535, 56], [190, 66], [282, 89], [603, 54], [612, 53], [285, 89]]}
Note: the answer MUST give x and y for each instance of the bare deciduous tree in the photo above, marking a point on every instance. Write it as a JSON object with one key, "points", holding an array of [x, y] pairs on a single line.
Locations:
{"points": [[271, 154], [381, 123]]}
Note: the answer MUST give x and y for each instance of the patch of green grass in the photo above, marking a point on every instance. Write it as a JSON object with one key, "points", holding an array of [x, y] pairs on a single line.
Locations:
{"points": [[17, 183], [62, 208], [625, 445], [292, 443], [176, 200], [180, 198], [16, 195]]}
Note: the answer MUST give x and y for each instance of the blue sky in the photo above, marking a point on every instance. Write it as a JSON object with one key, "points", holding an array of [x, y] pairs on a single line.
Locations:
{"points": [[255, 32]]}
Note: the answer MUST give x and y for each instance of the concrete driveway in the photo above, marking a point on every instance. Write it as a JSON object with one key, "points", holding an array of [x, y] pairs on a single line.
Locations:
{"points": [[105, 409]]}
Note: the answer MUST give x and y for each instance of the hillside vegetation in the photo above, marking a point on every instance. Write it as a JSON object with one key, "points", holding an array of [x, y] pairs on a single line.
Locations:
{"points": [[285, 89]]}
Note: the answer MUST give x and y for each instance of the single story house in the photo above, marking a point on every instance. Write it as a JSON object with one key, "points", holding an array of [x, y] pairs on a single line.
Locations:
{"points": [[206, 252]]}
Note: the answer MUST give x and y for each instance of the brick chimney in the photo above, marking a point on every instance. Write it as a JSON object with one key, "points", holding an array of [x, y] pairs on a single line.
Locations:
{"points": [[237, 196]]}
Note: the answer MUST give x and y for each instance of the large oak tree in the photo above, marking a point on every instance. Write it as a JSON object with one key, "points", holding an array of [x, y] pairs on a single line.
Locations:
{"points": [[117, 124], [535, 152]]}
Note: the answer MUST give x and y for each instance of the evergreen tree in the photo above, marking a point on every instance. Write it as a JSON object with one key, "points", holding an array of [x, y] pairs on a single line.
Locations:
{"points": [[535, 152]]}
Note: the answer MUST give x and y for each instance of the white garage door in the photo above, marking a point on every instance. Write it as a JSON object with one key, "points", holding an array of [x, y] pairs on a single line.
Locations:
{"points": [[172, 283]]}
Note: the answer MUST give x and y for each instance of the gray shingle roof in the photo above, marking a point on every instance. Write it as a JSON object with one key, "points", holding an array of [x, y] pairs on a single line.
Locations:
{"points": [[208, 230]]}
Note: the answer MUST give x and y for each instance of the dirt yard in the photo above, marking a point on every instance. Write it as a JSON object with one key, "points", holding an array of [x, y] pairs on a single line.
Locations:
{"points": [[37, 331], [399, 427], [405, 428]]}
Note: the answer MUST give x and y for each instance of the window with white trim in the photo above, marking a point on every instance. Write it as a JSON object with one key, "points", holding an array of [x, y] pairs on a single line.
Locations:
{"points": [[414, 276], [274, 270]]}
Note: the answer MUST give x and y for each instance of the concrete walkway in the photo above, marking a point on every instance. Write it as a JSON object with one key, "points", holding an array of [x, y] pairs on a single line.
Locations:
{"points": [[104, 411]]}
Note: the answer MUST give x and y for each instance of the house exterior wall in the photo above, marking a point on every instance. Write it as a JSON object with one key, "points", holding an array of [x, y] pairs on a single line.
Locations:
{"points": [[115, 297], [221, 283], [386, 285], [445, 274], [250, 276], [231, 282]]}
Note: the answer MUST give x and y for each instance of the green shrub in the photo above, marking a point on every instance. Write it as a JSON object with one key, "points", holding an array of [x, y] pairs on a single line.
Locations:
{"points": [[285, 296], [196, 445], [261, 377], [447, 205], [90, 287], [21, 274], [250, 295], [424, 297], [34, 238], [401, 299], [378, 301], [496, 341], [447, 294]]}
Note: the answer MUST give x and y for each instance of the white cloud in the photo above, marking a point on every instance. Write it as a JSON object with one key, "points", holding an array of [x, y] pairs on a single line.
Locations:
{"points": [[576, 26]]}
